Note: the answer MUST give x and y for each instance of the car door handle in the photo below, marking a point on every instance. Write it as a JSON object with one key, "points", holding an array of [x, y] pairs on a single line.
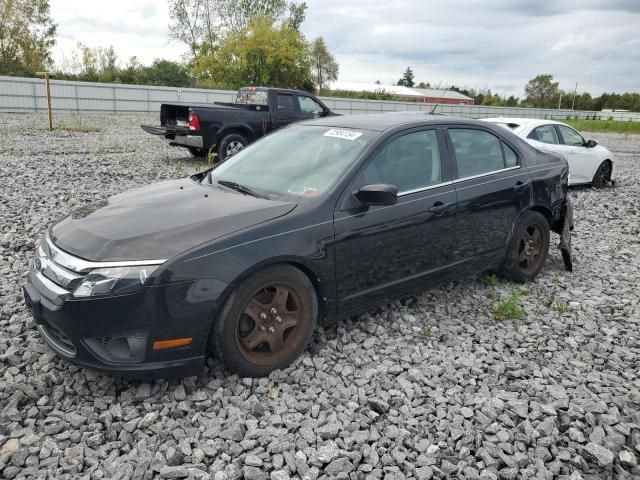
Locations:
{"points": [[439, 208], [521, 186]]}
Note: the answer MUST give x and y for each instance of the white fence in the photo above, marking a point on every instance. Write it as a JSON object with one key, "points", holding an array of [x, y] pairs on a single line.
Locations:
{"points": [[19, 94]]}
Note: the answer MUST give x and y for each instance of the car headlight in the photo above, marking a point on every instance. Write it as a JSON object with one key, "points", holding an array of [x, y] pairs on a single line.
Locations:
{"points": [[114, 281]]}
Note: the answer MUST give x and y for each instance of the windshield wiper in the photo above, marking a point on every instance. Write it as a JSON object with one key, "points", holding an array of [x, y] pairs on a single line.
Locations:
{"points": [[241, 188]]}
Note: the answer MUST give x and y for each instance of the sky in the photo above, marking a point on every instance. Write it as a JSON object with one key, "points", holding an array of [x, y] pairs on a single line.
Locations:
{"points": [[497, 44]]}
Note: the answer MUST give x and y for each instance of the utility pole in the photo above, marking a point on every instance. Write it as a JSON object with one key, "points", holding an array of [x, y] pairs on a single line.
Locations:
{"points": [[573, 102], [46, 80], [560, 101]]}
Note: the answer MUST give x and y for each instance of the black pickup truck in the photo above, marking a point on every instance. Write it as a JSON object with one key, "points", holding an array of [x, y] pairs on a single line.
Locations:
{"points": [[226, 128]]}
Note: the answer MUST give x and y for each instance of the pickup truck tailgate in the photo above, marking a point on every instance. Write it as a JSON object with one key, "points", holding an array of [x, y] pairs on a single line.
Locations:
{"points": [[165, 131]]}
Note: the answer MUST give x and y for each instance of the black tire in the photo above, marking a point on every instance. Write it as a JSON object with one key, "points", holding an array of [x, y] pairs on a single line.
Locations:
{"points": [[197, 152], [230, 144], [527, 249], [603, 175], [249, 317]]}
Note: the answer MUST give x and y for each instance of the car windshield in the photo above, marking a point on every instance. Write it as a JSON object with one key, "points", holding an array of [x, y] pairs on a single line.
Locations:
{"points": [[302, 161]]}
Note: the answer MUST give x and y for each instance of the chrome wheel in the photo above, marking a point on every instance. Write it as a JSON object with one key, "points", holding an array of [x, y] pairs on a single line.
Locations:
{"points": [[234, 147]]}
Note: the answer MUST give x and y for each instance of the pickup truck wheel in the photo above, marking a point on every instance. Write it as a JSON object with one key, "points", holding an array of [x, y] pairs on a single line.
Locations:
{"points": [[603, 175], [197, 152], [266, 322], [230, 145], [528, 248]]}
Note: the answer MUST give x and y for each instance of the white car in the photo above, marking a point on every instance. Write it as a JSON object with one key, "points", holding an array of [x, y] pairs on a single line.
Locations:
{"points": [[589, 163]]}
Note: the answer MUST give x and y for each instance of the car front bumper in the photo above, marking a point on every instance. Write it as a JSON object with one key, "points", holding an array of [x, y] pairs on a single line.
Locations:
{"points": [[80, 330]]}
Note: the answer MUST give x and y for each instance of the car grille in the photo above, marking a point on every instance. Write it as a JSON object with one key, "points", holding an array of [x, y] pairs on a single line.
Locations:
{"points": [[58, 266]]}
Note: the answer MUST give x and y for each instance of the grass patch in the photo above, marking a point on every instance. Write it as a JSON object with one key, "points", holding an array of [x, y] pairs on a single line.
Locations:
{"points": [[611, 126], [426, 332], [562, 307], [491, 280], [508, 308]]}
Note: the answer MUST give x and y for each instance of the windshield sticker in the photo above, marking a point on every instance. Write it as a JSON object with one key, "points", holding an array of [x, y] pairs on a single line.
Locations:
{"points": [[344, 134], [304, 191]]}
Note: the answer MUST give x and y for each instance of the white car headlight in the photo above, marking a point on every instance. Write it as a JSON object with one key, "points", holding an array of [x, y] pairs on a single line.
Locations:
{"points": [[114, 281]]}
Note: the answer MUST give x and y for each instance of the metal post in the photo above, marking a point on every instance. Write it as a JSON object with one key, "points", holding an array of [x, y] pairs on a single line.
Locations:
{"points": [[46, 80], [573, 103], [560, 101]]}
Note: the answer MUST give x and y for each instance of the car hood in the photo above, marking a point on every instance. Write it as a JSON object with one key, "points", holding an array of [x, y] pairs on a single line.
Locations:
{"points": [[160, 221]]}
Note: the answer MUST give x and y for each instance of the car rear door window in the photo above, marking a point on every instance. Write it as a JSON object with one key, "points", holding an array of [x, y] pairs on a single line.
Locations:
{"points": [[476, 152], [510, 157], [410, 162], [285, 103], [545, 134], [570, 136]]}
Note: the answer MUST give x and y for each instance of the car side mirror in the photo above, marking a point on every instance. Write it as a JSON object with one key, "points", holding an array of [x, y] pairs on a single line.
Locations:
{"points": [[591, 144], [377, 194]]}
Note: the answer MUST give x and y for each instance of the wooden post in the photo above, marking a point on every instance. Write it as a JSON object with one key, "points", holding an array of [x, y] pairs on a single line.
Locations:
{"points": [[46, 79]]}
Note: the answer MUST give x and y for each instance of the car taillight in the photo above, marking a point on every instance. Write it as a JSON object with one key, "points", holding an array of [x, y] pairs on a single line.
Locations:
{"points": [[194, 122]]}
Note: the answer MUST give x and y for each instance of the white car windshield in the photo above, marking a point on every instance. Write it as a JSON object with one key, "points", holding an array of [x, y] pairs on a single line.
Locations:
{"points": [[299, 160]]}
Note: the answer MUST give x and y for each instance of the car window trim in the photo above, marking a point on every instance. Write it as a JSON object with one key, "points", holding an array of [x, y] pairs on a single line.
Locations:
{"points": [[480, 175], [422, 189]]}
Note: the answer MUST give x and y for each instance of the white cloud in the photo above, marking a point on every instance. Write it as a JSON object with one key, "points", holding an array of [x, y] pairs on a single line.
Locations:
{"points": [[493, 43]]}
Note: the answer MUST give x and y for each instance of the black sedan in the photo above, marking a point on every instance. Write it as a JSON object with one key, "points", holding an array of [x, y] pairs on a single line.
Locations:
{"points": [[319, 220]]}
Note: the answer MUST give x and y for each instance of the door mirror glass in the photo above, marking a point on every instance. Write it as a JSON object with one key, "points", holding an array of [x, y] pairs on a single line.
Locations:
{"points": [[378, 194], [591, 144]]}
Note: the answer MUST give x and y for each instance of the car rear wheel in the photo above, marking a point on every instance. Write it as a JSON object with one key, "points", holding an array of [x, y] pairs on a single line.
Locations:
{"points": [[528, 248], [266, 322], [230, 145], [603, 175]]}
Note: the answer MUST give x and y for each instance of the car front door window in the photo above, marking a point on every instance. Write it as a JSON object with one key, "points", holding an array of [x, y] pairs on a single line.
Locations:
{"points": [[571, 137], [309, 107], [410, 162]]}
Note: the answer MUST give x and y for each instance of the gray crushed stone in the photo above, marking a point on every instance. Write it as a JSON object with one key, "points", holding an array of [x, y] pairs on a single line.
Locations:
{"points": [[432, 387]]}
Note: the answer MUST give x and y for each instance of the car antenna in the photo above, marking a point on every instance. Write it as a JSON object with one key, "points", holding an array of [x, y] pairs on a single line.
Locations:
{"points": [[438, 102]]}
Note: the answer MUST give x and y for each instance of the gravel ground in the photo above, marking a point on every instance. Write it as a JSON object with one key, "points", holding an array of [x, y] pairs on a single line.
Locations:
{"points": [[433, 387]]}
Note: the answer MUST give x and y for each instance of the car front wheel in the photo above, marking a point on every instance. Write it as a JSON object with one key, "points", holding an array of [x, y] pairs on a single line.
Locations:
{"points": [[527, 249], [603, 175], [266, 323]]}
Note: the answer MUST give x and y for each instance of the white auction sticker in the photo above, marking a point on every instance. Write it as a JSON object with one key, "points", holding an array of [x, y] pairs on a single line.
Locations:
{"points": [[344, 134]]}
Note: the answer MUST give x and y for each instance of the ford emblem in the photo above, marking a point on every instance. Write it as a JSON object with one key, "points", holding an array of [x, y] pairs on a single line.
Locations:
{"points": [[38, 264]]}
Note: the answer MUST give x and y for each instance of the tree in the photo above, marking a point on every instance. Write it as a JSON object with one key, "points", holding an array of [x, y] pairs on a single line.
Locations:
{"points": [[202, 25], [323, 65], [424, 85], [407, 78], [262, 53], [192, 23], [27, 35], [542, 92], [167, 73]]}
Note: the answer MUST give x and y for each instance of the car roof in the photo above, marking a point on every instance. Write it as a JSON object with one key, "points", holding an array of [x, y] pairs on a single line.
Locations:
{"points": [[380, 122], [522, 122]]}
